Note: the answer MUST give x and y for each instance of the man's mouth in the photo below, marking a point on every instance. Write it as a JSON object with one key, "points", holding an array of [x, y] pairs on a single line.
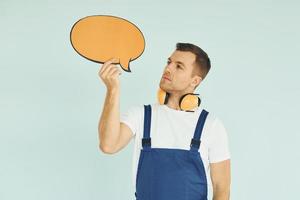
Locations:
{"points": [[165, 77]]}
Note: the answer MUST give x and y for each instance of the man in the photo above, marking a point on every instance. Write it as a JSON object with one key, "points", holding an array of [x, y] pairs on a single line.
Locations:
{"points": [[167, 165]]}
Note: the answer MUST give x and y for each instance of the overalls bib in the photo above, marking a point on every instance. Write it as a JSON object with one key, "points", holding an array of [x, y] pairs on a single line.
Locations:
{"points": [[171, 174]]}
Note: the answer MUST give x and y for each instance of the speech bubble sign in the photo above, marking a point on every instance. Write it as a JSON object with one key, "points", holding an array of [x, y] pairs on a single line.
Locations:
{"points": [[101, 37]]}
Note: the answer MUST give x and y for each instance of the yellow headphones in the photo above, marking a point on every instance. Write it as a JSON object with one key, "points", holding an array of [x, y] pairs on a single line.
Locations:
{"points": [[187, 102]]}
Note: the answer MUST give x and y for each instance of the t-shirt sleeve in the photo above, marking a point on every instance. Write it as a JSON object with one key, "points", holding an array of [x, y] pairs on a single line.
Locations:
{"points": [[219, 147], [131, 118]]}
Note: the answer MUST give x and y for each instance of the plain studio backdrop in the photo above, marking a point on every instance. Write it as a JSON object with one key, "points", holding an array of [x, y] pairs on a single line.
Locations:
{"points": [[51, 98]]}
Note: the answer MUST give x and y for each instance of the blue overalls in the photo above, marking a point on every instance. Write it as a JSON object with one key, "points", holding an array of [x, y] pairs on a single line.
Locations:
{"points": [[171, 174]]}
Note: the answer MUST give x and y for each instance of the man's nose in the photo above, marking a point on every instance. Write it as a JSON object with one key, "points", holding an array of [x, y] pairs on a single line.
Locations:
{"points": [[168, 69], [167, 72]]}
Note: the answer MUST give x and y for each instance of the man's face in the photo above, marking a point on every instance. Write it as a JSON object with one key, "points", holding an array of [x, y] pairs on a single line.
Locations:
{"points": [[177, 75]]}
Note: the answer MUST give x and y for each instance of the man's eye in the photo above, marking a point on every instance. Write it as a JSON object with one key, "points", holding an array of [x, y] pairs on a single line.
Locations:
{"points": [[168, 62], [178, 66]]}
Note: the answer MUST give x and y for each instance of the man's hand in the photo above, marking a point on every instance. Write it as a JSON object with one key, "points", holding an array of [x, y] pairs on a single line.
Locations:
{"points": [[109, 73]]}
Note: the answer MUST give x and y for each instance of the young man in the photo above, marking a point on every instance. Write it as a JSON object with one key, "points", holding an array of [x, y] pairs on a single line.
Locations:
{"points": [[174, 151]]}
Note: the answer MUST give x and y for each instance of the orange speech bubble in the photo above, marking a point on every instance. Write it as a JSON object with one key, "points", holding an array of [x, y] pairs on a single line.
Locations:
{"points": [[101, 37]]}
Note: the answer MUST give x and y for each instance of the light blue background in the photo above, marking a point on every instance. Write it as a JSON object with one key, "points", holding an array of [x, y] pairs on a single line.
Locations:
{"points": [[51, 98]]}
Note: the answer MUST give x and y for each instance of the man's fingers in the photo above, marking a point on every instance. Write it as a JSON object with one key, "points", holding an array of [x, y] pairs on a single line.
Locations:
{"points": [[109, 70], [107, 63], [114, 71]]}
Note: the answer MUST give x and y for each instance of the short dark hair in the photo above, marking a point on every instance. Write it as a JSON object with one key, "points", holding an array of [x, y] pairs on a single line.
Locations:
{"points": [[202, 61]]}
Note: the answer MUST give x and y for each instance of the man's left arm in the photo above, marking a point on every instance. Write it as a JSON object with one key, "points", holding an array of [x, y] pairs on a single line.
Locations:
{"points": [[220, 178]]}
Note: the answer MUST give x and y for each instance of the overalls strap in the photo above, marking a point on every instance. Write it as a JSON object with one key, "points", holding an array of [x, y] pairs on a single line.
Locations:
{"points": [[146, 141], [195, 143]]}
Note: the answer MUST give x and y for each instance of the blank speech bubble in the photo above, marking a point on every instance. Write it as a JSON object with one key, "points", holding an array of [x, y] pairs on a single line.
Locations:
{"points": [[101, 37]]}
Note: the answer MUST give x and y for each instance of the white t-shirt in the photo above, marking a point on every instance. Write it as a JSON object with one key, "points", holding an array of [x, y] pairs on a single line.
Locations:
{"points": [[172, 128]]}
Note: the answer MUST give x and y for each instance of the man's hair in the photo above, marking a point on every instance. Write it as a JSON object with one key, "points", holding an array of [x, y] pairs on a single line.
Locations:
{"points": [[202, 61]]}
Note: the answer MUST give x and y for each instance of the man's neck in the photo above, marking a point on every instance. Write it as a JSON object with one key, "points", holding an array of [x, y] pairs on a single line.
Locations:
{"points": [[173, 101]]}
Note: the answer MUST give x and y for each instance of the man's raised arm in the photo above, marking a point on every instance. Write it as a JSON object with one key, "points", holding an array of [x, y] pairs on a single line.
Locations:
{"points": [[109, 123]]}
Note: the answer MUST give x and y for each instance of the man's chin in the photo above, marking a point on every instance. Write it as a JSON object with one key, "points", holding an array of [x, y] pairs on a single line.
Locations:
{"points": [[163, 86]]}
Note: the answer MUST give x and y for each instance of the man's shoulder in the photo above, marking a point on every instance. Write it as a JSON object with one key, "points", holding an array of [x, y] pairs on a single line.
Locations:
{"points": [[213, 118]]}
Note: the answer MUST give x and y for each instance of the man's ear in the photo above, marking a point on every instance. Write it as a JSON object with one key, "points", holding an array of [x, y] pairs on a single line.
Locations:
{"points": [[196, 80], [200, 79]]}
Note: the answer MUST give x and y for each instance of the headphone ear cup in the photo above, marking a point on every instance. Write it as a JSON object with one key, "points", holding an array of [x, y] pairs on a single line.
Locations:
{"points": [[189, 102], [162, 96]]}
